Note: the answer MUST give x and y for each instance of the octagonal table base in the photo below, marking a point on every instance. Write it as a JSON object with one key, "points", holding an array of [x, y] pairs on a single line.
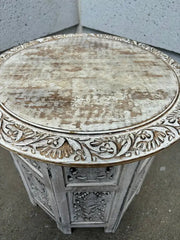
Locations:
{"points": [[82, 197]]}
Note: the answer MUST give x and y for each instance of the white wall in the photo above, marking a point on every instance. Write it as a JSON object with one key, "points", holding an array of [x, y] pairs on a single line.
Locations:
{"points": [[24, 20], [155, 22]]}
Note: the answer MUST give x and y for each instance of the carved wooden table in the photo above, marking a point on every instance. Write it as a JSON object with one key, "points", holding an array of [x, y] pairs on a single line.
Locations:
{"points": [[82, 116]]}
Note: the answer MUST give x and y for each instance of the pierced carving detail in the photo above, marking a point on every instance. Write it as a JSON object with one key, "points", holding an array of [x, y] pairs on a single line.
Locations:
{"points": [[84, 175], [90, 206]]}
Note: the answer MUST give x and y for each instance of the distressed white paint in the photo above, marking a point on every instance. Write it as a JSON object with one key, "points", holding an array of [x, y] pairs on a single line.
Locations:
{"points": [[86, 83], [87, 148], [82, 197], [108, 68]]}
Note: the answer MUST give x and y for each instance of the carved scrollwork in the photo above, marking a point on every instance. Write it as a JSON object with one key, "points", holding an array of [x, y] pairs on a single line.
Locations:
{"points": [[174, 117], [67, 148], [152, 138], [57, 147], [47, 145]]}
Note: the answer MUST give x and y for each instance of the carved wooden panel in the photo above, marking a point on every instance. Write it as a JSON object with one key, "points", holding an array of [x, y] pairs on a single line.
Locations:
{"points": [[137, 180], [33, 164], [37, 188], [106, 175], [90, 206], [79, 197]]}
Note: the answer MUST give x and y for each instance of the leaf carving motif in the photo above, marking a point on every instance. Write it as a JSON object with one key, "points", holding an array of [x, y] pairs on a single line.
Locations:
{"points": [[35, 142], [56, 148], [79, 149]]}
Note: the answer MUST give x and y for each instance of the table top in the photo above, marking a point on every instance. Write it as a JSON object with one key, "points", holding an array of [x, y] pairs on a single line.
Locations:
{"points": [[88, 100]]}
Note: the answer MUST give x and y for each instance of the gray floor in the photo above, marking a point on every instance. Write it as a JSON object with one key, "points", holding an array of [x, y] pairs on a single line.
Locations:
{"points": [[153, 215]]}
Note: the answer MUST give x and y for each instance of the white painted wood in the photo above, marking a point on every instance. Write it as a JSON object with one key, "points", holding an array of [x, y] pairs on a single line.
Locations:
{"points": [[134, 187], [87, 84], [91, 101], [23, 177], [58, 187], [123, 185], [88, 100], [83, 197]]}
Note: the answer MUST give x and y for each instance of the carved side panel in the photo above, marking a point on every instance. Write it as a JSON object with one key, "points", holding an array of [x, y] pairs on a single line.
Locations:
{"points": [[32, 164], [90, 175], [90, 206], [137, 181], [37, 187], [139, 178]]}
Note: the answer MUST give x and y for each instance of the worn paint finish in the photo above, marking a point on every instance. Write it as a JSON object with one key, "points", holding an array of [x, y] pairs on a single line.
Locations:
{"points": [[99, 104], [86, 84], [82, 197]]}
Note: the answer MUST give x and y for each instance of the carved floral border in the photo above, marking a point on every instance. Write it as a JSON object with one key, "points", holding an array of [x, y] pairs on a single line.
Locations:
{"points": [[74, 149], [88, 149]]}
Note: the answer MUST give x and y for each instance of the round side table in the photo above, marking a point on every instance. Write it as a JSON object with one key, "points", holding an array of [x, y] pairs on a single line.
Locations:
{"points": [[83, 116]]}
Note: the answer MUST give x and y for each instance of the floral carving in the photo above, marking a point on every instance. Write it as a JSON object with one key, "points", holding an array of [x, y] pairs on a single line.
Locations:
{"points": [[148, 139], [79, 149], [56, 148], [105, 147], [174, 117], [90, 206], [80, 156]]}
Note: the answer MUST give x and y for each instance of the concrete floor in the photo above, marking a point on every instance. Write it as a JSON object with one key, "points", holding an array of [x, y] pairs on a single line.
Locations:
{"points": [[153, 215]]}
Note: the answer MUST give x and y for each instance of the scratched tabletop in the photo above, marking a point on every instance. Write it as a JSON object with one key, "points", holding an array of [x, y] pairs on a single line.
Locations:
{"points": [[88, 100]]}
